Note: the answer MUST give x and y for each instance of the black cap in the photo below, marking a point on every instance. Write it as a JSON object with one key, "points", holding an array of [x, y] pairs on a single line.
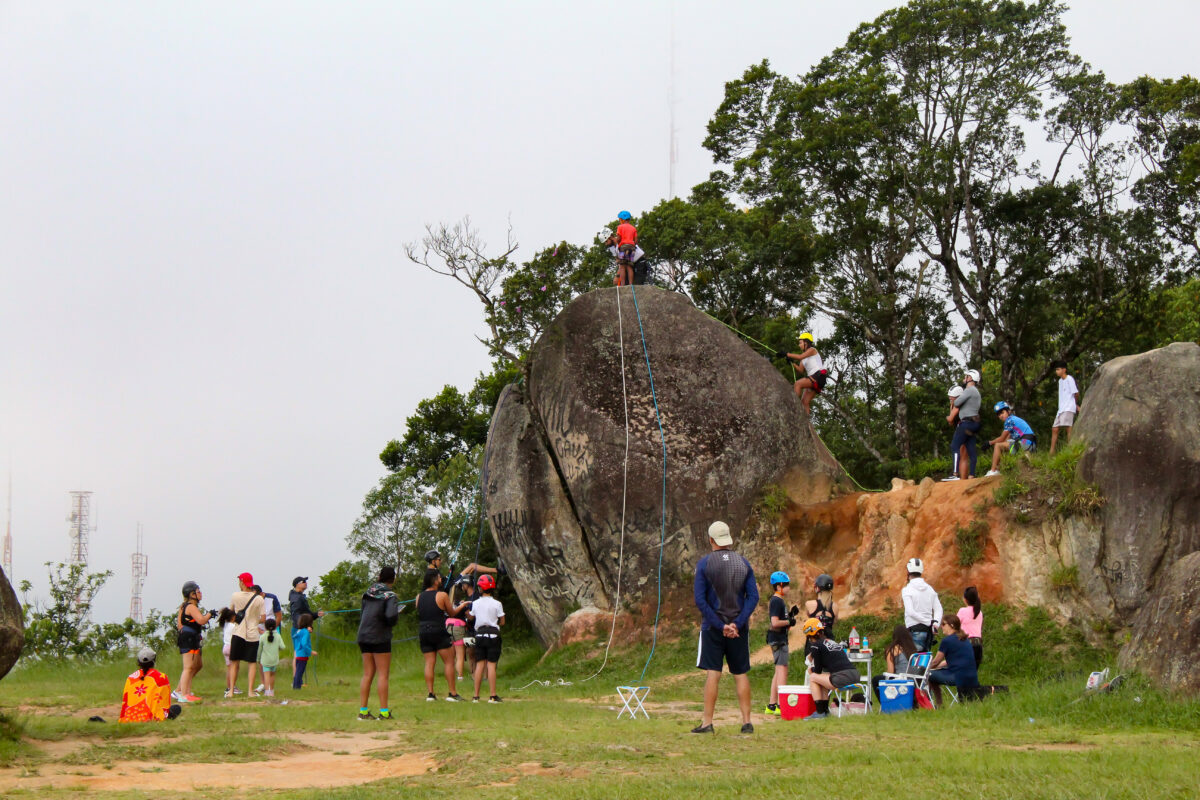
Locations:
{"points": [[298, 579]]}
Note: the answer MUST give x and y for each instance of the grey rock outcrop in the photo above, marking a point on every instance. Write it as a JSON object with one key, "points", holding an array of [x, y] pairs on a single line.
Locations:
{"points": [[1165, 643], [12, 626], [555, 462], [1141, 423]]}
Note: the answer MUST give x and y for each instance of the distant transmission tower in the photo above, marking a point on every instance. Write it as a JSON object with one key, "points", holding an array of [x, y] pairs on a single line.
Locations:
{"points": [[141, 568], [8, 535], [80, 518]]}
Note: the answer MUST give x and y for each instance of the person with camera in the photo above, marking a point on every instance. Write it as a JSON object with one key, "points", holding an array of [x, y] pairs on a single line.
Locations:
{"points": [[190, 620], [781, 621], [247, 605]]}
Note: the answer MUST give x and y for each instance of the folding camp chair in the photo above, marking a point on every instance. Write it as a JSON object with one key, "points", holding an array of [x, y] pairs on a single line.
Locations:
{"points": [[918, 671]]}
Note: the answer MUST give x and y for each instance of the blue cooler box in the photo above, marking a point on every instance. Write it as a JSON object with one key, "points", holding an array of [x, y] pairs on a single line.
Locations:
{"points": [[896, 695]]}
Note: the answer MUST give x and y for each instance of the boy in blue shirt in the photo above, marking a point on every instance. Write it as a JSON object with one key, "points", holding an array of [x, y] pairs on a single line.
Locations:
{"points": [[1017, 435], [302, 646]]}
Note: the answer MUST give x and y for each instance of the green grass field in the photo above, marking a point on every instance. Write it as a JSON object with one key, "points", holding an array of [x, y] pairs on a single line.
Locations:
{"points": [[565, 741]]}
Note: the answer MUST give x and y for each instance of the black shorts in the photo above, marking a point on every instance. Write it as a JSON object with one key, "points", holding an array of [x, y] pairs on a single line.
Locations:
{"points": [[819, 380], [433, 642], [844, 678], [715, 649], [241, 650], [188, 640], [487, 648], [374, 647]]}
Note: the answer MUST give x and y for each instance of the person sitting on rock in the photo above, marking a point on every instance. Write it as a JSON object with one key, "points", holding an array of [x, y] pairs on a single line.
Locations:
{"points": [[815, 374], [1017, 436], [966, 410], [147, 695], [831, 668], [922, 606]]}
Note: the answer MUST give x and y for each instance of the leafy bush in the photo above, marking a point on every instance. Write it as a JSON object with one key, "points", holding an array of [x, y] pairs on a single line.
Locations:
{"points": [[771, 503], [1064, 576], [971, 541]]}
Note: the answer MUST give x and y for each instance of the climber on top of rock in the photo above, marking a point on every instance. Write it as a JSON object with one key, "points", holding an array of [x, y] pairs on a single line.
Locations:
{"points": [[625, 241], [814, 370]]}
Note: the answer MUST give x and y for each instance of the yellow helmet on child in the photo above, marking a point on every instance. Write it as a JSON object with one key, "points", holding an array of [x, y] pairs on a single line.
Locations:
{"points": [[812, 626], [806, 336]]}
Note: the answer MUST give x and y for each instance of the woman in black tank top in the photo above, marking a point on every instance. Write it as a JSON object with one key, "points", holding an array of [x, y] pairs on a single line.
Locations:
{"points": [[822, 607], [432, 605]]}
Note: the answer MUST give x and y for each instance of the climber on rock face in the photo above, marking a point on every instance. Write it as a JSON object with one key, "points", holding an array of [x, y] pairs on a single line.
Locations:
{"points": [[726, 595], [815, 373]]}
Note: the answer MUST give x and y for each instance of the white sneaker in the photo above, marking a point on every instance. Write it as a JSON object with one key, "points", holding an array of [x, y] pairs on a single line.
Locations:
{"points": [[228, 694], [992, 472], [951, 478], [236, 690], [260, 688], [177, 697]]}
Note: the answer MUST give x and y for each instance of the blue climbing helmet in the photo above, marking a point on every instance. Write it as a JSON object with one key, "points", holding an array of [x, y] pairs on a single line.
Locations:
{"points": [[778, 577], [1001, 406], [624, 215]]}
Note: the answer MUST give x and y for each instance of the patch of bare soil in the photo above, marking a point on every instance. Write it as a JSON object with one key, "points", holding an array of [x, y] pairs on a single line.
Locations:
{"points": [[335, 759], [1061, 747]]}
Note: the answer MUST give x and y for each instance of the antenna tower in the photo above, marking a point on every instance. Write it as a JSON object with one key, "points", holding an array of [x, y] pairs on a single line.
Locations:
{"points": [[674, 152], [141, 568], [8, 535], [80, 518]]}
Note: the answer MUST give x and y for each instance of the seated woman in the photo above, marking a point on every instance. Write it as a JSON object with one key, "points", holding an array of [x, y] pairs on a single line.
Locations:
{"points": [[899, 650], [954, 662], [147, 695], [831, 668]]}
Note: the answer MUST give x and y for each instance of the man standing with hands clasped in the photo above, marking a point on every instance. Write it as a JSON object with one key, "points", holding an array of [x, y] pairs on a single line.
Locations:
{"points": [[726, 596]]}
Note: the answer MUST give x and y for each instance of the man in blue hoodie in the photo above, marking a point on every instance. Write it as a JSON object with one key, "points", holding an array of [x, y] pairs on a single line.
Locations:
{"points": [[726, 595]]}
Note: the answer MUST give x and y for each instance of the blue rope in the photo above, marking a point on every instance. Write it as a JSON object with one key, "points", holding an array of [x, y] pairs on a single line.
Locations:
{"points": [[662, 536]]}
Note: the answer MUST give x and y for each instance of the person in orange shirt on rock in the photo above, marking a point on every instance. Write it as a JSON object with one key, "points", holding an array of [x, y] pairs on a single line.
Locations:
{"points": [[147, 696], [626, 246]]}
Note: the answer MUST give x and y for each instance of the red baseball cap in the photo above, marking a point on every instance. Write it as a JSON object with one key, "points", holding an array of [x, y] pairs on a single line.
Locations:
{"points": [[246, 578]]}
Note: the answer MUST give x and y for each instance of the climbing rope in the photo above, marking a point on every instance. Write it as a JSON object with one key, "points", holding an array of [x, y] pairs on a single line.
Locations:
{"points": [[662, 535], [467, 517], [624, 489]]}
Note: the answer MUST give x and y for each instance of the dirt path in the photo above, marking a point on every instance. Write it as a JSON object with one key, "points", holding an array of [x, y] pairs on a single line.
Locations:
{"points": [[328, 760]]}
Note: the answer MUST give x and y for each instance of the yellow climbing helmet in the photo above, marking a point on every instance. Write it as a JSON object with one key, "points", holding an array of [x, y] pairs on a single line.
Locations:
{"points": [[806, 336], [812, 626]]}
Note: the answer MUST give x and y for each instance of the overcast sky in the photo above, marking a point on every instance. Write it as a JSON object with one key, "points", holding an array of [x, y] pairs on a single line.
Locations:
{"points": [[205, 313]]}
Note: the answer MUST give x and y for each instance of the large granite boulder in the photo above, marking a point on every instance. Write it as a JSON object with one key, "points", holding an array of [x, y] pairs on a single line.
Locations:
{"points": [[1165, 643], [12, 626], [1141, 423], [555, 462]]}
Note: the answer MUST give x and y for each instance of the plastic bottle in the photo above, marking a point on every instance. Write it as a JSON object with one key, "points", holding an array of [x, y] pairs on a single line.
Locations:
{"points": [[866, 645], [853, 641]]}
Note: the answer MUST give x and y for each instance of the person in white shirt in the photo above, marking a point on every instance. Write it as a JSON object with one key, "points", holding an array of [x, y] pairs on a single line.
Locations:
{"points": [[815, 374], [1068, 404], [489, 616], [922, 607]]}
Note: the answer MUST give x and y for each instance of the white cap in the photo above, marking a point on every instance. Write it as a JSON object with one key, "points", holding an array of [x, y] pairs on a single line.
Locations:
{"points": [[915, 565], [955, 391], [973, 374], [719, 533]]}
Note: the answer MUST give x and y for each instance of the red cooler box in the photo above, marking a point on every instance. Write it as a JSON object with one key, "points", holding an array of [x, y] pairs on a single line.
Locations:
{"points": [[795, 702]]}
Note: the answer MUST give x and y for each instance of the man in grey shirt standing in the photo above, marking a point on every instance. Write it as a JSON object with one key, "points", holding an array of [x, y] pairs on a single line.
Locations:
{"points": [[966, 411], [726, 595]]}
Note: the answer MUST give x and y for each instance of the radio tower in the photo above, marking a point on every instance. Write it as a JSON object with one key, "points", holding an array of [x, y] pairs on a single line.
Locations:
{"points": [[141, 566], [81, 526], [8, 535]]}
